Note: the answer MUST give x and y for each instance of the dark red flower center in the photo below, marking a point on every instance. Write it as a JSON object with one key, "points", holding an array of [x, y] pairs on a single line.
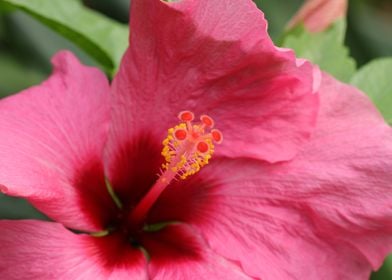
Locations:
{"points": [[132, 218]]}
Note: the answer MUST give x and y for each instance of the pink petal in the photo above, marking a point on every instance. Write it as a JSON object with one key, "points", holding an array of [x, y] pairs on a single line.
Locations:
{"points": [[51, 141], [318, 15], [47, 251], [325, 215], [169, 262], [212, 57]]}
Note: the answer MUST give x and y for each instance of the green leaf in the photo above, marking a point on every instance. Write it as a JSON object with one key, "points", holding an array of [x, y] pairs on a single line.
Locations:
{"points": [[102, 38], [325, 49], [375, 80]]}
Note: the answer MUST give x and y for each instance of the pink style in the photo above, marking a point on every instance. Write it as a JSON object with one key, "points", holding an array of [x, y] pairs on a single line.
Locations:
{"points": [[212, 155]]}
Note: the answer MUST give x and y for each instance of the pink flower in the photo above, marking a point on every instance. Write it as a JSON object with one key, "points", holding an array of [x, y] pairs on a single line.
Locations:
{"points": [[298, 189], [318, 15]]}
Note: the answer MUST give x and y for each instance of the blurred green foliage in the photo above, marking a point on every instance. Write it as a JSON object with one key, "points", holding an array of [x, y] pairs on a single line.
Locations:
{"points": [[326, 49], [26, 46], [103, 38], [385, 273], [375, 79], [15, 208]]}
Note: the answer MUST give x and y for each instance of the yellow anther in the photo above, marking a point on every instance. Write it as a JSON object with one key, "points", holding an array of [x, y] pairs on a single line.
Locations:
{"points": [[188, 147]]}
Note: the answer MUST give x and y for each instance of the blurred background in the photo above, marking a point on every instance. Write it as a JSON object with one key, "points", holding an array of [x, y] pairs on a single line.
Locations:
{"points": [[26, 47]]}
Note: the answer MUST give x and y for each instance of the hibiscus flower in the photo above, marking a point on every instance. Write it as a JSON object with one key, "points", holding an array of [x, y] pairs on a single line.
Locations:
{"points": [[293, 184]]}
